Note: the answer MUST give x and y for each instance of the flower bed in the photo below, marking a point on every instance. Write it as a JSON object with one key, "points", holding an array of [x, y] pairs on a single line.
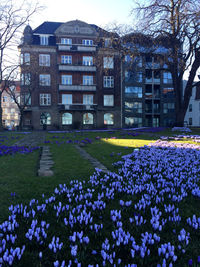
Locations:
{"points": [[142, 215], [11, 150]]}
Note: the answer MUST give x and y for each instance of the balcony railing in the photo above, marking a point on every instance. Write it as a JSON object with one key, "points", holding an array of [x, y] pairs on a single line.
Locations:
{"points": [[76, 47], [63, 87], [71, 67], [77, 107]]}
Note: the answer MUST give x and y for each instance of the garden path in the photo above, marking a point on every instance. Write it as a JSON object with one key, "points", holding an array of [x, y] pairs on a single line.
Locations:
{"points": [[93, 161]]}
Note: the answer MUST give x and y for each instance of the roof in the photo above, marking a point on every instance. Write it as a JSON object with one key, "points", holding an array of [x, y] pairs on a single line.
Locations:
{"points": [[47, 27]]}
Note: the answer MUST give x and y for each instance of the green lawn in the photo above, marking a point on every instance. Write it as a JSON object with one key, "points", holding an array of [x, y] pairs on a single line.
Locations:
{"points": [[19, 172], [19, 182]]}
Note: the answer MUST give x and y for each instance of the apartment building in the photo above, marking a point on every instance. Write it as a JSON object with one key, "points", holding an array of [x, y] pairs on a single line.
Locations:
{"points": [[10, 111], [70, 73], [148, 94]]}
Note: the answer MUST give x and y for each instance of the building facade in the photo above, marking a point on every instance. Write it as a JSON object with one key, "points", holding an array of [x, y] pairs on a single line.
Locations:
{"points": [[192, 116], [10, 111], [77, 78], [71, 71], [148, 94]]}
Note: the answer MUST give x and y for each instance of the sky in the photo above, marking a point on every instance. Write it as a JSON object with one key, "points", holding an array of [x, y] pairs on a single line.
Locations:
{"points": [[99, 12]]}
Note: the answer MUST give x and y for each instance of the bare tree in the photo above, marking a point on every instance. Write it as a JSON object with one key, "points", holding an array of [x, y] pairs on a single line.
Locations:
{"points": [[14, 15], [177, 24]]}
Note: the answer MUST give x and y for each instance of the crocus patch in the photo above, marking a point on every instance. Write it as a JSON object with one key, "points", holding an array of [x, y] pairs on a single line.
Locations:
{"points": [[133, 217]]}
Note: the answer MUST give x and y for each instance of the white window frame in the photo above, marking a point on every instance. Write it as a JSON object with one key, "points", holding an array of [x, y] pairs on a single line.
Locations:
{"points": [[108, 62], [66, 59], [66, 99], [45, 99], [44, 60], [108, 100], [87, 61], [87, 80], [44, 39], [87, 42], [67, 41], [108, 81], [88, 99], [65, 120], [45, 79], [66, 79]]}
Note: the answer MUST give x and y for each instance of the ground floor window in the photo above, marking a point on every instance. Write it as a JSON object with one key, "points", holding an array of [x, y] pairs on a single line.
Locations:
{"points": [[136, 121], [66, 118], [45, 118], [88, 118], [108, 119]]}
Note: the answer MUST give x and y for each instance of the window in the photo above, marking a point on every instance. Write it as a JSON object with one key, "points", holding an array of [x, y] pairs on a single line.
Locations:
{"points": [[12, 111], [108, 63], [108, 81], [107, 42], [26, 99], [87, 80], [167, 77], [45, 99], [168, 107], [87, 118], [138, 77], [44, 39], [44, 60], [168, 92], [190, 107], [66, 118], [190, 121], [87, 42], [135, 107], [87, 61], [133, 92], [25, 79], [108, 100], [66, 79], [128, 58], [45, 118], [65, 59], [45, 79], [66, 99], [130, 121], [27, 59], [66, 41], [5, 99], [88, 99], [108, 119]]}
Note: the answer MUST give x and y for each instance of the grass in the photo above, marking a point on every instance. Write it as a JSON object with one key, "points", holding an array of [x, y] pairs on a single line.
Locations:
{"points": [[19, 172], [19, 182]]}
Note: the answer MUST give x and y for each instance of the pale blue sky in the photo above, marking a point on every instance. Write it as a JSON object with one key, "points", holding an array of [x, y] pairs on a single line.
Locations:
{"points": [[99, 12]]}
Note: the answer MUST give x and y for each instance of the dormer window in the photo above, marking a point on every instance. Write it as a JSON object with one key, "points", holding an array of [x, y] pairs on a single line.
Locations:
{"points": [[87, 42], [44, 39], [67, 41]]}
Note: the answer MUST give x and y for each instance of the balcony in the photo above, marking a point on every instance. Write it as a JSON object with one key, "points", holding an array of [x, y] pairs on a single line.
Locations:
{"points": [[69, 67], [64, 87], [77, 107], [76, 47]]}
